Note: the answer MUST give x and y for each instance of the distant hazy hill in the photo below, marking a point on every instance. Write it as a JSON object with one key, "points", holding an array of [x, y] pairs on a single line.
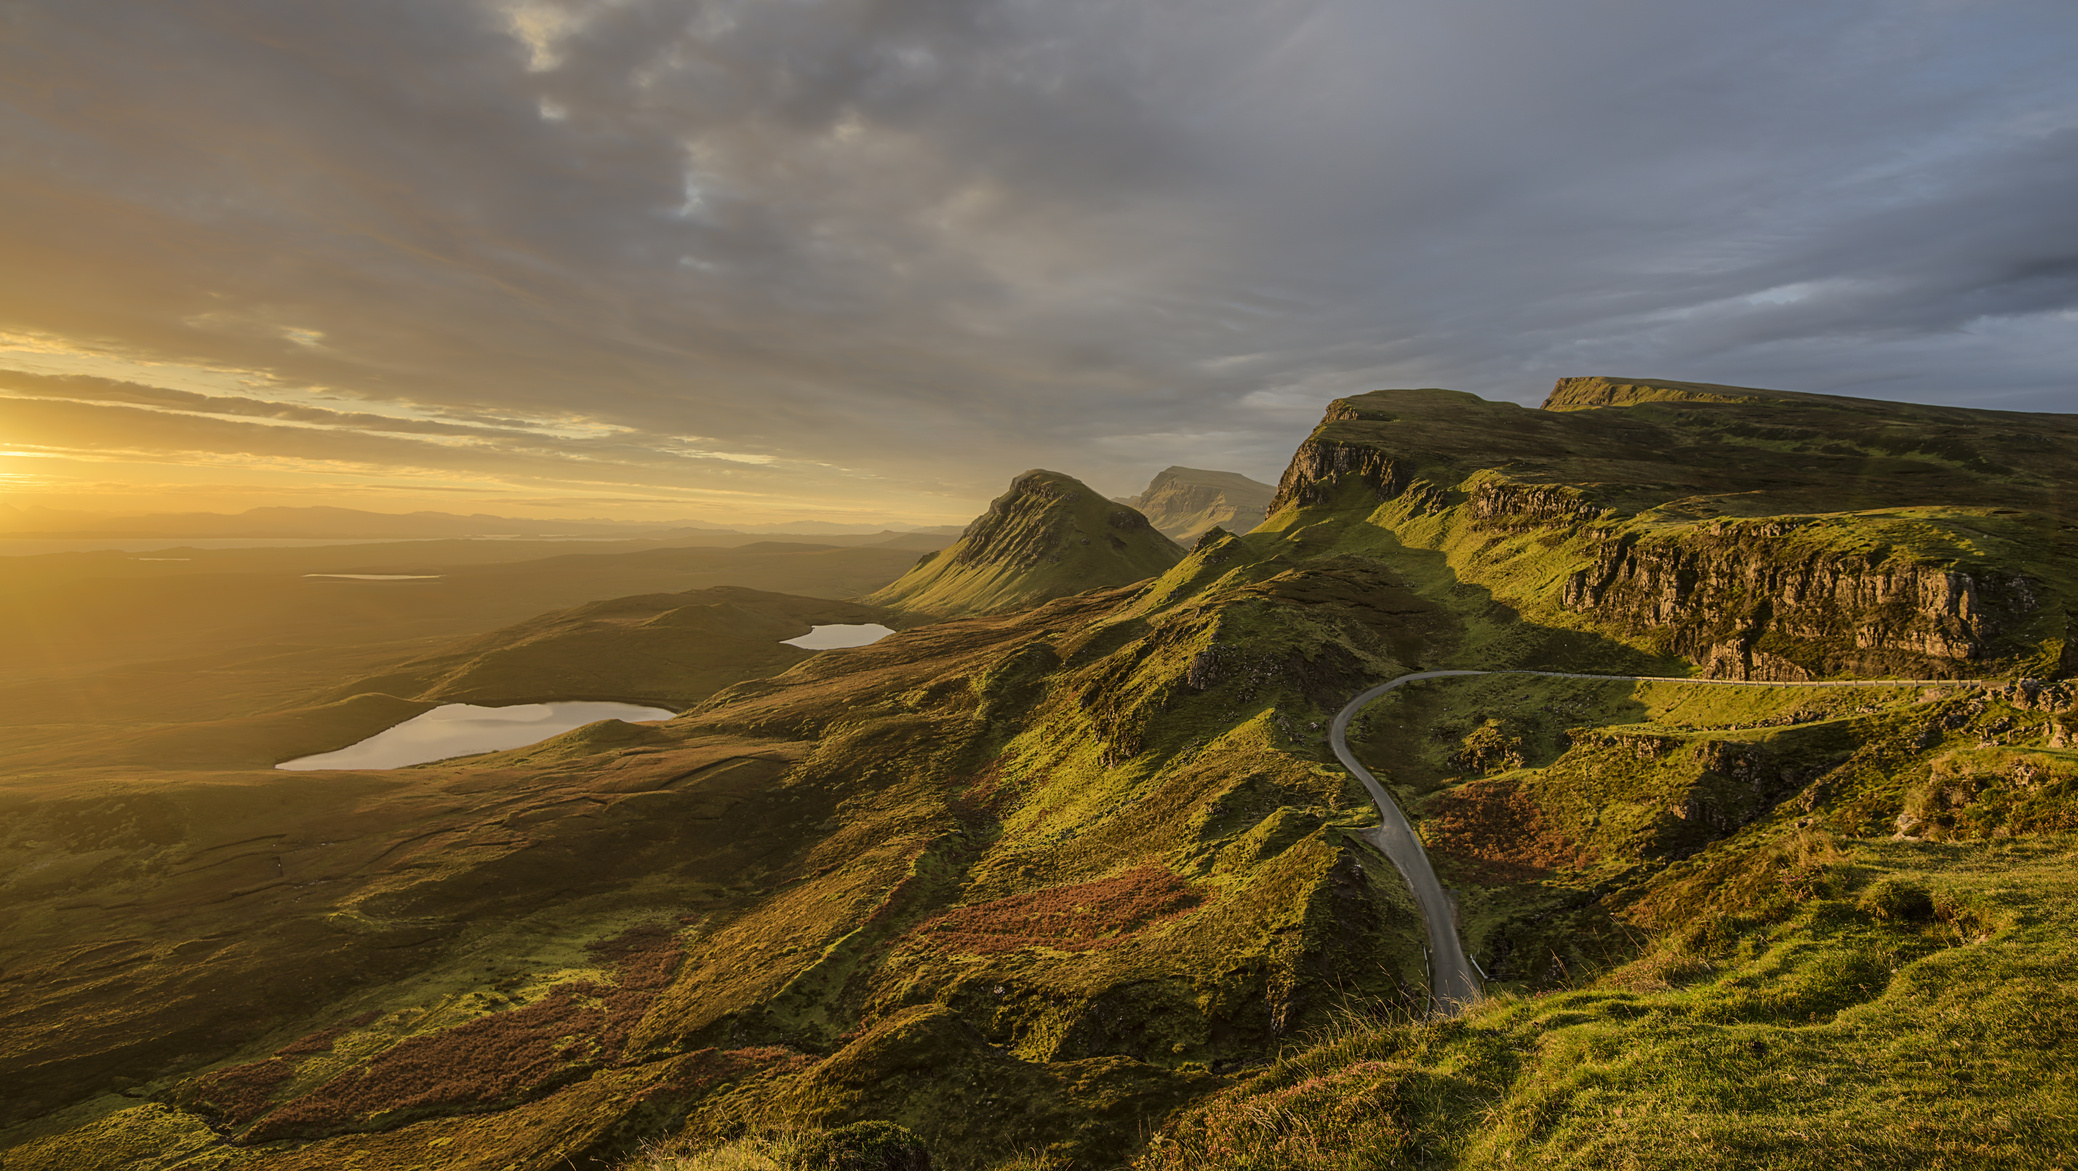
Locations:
{"points": [[314, 522], [1184, 502], [669, 649], [1049, 536], [823, 528], [356, 524]]}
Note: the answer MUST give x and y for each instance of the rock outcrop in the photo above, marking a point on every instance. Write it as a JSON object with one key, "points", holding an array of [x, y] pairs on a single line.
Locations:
{"points": [[1322, 466], [1582, 394], [1746, 606]]}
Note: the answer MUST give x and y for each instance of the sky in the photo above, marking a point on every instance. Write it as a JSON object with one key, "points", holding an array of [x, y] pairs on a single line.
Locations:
{"points": [[866, 260]]}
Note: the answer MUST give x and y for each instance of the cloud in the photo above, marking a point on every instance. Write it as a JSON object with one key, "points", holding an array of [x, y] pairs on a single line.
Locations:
{"points": [[889, 252]]}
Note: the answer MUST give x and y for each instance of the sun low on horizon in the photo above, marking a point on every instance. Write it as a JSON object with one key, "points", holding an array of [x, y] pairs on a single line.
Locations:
{"points": [[751, 263]]}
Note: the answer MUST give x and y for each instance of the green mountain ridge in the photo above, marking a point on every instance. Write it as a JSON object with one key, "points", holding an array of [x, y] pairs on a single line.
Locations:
{"points": [[1076, 885]]}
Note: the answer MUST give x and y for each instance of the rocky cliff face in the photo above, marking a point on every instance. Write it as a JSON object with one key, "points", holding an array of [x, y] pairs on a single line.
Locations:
{"points": [[1581, 394], [1745, 606], [1322, 466], [1502, 504]]}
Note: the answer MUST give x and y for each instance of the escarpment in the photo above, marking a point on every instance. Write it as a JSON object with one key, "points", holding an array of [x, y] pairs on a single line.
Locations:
{"points": [[1744, 607], [1758, 534], [1507, 505], [1321, 466]]}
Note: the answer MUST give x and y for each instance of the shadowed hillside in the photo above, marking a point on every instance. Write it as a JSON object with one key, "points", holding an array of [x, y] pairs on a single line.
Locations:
{"points": [[1047, 537], [1079, 881]]}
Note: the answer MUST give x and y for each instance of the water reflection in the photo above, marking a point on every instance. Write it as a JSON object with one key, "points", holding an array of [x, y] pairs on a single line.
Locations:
{"points": [[828, 638], [461, 729]]}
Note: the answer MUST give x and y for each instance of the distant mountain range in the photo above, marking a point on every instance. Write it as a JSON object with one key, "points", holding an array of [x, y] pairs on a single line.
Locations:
{"points": [[1184, 502], [320, 522]]}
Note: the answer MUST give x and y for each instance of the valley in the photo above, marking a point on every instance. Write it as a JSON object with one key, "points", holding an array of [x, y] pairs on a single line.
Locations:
{"points": [[1741, 761]]}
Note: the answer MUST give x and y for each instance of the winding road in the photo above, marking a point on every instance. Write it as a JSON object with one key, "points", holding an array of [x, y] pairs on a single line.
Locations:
{"points": [[1453, 982]]}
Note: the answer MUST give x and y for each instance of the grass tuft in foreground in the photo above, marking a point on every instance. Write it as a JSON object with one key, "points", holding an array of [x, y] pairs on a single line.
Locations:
{"points": [[862, 1146]]}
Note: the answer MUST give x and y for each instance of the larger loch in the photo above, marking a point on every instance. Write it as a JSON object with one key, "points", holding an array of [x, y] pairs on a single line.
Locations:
{"points": [[464, 729]]}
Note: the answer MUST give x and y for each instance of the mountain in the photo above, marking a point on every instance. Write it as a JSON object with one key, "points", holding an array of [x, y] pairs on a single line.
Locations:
{"points": [[1184, 502], [1047, 537], [1083, 884]]}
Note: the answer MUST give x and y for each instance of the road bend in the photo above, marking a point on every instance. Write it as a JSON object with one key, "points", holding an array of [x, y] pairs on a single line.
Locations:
{"points": [[1453, 983]]}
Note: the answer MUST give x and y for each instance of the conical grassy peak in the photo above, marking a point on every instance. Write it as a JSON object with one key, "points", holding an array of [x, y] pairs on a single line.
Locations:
{"points": [[1049, 536]]}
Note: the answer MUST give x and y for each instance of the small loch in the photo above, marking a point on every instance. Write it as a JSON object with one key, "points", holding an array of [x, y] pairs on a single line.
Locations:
{"points": [[464, 729], [830, 638]]}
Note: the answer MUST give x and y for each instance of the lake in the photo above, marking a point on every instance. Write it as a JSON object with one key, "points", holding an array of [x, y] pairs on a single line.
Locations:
{"points": [[464, 729], [829, 638]]}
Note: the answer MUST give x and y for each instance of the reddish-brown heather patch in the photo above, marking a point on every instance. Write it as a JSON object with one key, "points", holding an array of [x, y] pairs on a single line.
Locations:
{"points": [[706, 1068], [1497, 834], [240, 1093], [1070, 918], [497, 1059], [644, 959], [983, 799], [321, 1041]]}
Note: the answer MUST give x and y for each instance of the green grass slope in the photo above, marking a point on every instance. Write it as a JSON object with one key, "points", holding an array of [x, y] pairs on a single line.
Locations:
{"points": [[1050, 535], [1908, 1006]]}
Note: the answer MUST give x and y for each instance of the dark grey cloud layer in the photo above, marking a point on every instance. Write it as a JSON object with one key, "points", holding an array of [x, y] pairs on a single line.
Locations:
{"points": [[906, 247]]}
